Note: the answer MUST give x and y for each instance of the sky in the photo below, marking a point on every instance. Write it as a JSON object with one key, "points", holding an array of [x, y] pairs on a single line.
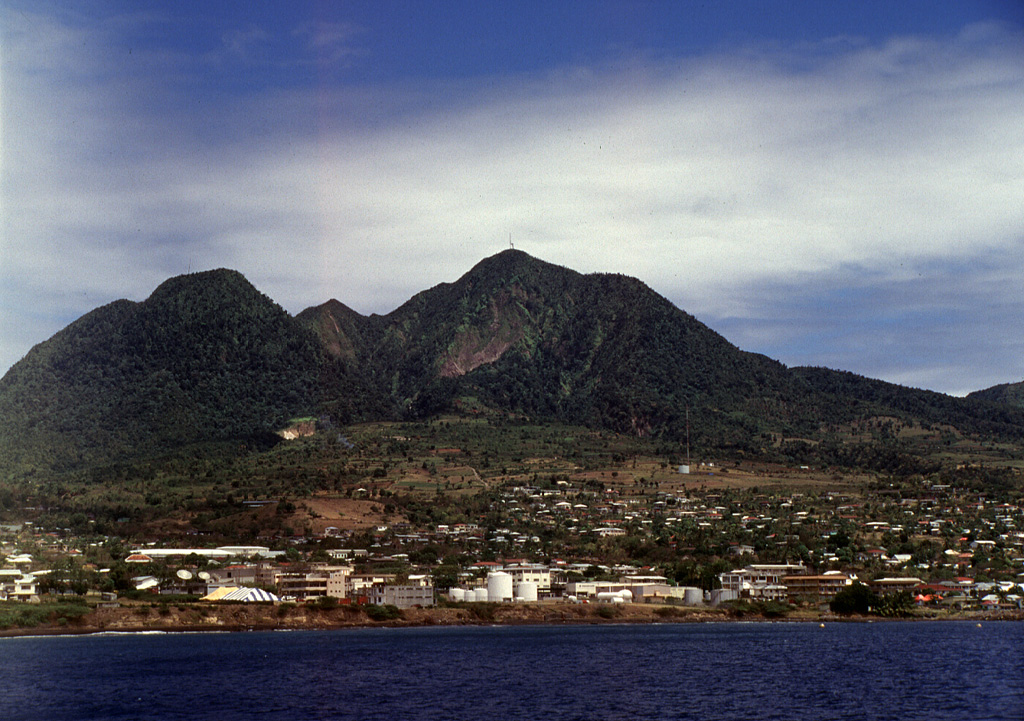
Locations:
{"points": [[834, 184]]}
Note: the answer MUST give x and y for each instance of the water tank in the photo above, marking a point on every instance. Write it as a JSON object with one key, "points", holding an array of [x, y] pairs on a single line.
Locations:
{"points": [[499, 587], [457, 594], [684, 469], [693, 596], [526, 591], [721, 595], [479, 595]]}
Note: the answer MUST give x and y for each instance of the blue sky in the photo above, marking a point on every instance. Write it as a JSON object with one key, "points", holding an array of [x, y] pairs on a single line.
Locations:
{"points": [[828, 183]]}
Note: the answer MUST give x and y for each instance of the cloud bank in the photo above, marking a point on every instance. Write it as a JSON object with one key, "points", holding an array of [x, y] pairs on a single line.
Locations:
{"points": [[847, 204]]}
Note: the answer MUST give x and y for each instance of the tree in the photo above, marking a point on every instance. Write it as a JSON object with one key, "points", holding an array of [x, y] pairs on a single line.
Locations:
{"points": [[857, 598], [446, 576], [896, 605]]}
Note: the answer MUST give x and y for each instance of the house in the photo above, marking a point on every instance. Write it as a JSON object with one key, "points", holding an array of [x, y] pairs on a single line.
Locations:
{"points": [[17, 586]]}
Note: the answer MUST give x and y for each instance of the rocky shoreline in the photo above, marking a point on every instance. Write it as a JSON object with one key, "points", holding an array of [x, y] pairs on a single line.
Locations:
{"points": [[195, 617]]}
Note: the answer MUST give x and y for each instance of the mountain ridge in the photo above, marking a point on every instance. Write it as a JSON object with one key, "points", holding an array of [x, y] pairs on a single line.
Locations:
{"points": [[208, 357]]}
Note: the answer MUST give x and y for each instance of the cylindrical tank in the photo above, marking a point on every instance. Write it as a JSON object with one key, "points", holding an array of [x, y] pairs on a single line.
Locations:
{"points": [[693, 596], [526, 591], [479, 595], [721, 595], [623, 596], [499, 587], [457, 594]]}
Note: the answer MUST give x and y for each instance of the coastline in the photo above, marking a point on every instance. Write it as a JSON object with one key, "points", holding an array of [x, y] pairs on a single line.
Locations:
{"points": [[222, 618]]}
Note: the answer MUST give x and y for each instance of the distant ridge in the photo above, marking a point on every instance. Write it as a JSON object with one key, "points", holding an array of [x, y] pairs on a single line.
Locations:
{"points": [[208, 359], [1007, 393]]}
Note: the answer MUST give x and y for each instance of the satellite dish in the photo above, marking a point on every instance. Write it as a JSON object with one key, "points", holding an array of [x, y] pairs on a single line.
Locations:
{"points": [[204, 575], [184, 575]]}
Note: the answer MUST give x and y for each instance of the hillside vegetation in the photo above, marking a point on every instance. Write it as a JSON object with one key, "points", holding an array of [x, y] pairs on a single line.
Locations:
{"points": [[208, 366]]}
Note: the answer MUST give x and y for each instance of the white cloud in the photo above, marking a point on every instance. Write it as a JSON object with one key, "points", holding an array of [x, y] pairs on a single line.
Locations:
{"points": [[707, 178]]}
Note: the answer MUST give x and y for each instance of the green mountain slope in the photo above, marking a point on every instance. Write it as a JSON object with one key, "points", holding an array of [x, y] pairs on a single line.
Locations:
{"points": [[207, 358], [1011, 394], [852, 396], [521, 335]]}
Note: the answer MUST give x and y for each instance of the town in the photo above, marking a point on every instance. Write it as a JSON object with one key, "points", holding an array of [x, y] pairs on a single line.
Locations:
{"points": [[639, 530]]}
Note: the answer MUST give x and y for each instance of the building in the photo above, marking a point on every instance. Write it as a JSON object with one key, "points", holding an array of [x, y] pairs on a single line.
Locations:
{"points": [[816, 587], [17, 586], [401, 596], [530, 573], [235, 575], [763, 581], [892, 585], [359, 584], [302, 585]]}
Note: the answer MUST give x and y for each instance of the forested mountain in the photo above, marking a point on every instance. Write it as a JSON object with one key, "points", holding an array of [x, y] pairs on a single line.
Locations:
{"points": [[205, 357], [521, 335], [853, 396], [208, 358], [1008, 393]]}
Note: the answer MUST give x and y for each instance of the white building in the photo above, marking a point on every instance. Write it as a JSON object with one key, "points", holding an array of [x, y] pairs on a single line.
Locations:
{"points": [[402, 596]]}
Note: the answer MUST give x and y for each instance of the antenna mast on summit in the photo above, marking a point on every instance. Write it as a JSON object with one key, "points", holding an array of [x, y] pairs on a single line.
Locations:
{"points": [[511, 247]]}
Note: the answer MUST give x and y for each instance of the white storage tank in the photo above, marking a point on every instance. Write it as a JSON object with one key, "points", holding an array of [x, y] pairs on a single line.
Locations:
{"points": [[499, 587], [693, 596], [526, 591], [721, 595], [622, 596], [457, 594], [479, 595]]}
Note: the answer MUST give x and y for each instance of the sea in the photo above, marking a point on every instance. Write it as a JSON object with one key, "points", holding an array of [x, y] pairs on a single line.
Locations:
{"points": [[793, 671]]}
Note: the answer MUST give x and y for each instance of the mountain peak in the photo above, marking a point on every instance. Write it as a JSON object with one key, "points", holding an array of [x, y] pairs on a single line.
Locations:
{"points": [[223, 279], [207, 356]]}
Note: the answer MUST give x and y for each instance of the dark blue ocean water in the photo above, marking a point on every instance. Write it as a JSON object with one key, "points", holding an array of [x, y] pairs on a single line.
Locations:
{"points": [[928, 671]]}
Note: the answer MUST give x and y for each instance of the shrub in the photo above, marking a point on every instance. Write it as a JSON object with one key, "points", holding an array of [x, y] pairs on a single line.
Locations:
{"points": [[326, 603], [669, 612], [23, 615], [383, 613], [483, 611], [768, 609]]}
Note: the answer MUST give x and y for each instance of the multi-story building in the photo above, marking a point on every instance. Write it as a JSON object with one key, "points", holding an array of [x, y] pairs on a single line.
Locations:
{"points": [[17, 586], [359, 584], [760, 574], [531, 573], [314, 583], [404, 596], [816, 587]]}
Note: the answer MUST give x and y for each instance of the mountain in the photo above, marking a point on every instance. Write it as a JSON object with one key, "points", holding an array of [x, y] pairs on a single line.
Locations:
{"points": [[205, 357], [517, 334], [1007, 393], [208, 359], [973, 416]]}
